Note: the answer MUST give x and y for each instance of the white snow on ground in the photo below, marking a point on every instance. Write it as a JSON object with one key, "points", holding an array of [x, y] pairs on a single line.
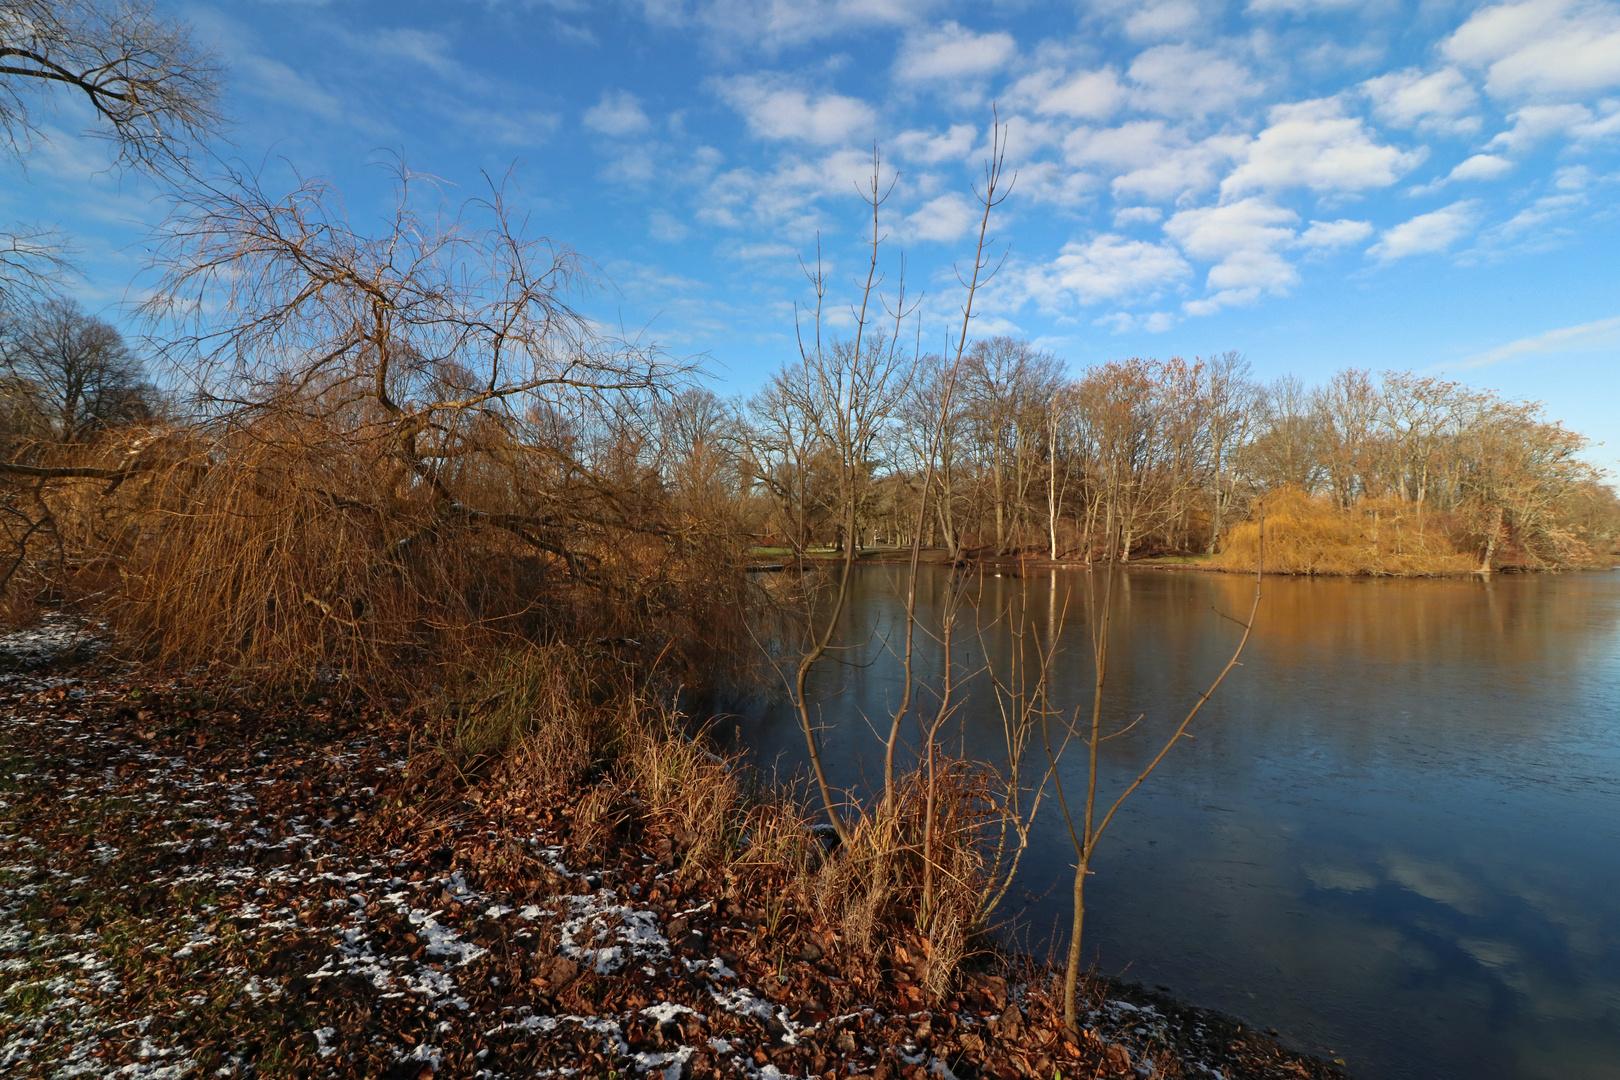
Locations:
{"points": [[68, 980], [54, 635], [71, 1038]]}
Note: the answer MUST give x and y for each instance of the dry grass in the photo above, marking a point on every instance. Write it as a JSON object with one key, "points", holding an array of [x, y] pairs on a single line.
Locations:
{"points": [[1306, 535]]}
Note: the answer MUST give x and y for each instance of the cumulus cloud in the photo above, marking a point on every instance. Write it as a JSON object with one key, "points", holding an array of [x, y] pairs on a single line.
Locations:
{"points": [[775, 111], [618, 114], [1137, 215], [943, 219], [1123, 322], [929, 148], [1087, 95], [1542, 49], [1313, 144], [1333, 234], [784, 199], [1297, 7], [1151, 159], [1427, 233], [1179, 80], [1107, 267], [1481, 167], [1533, 123], [952, 52], [776, 24], [1443, 102], [1243, 240], [1170, 18]]}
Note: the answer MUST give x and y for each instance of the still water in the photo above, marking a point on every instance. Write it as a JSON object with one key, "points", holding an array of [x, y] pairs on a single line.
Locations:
{"points": [[1395, 838]]}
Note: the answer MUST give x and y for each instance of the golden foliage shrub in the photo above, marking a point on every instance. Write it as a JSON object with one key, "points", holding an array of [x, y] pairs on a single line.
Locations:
{"points": [[293, 550], [1313, 535]]}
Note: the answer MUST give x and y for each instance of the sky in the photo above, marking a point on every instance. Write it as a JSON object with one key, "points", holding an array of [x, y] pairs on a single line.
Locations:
{"points": [[1317, 184]]}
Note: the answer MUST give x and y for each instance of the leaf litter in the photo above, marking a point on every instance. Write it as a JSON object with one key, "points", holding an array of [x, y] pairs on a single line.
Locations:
{"points": [[190, 888]]}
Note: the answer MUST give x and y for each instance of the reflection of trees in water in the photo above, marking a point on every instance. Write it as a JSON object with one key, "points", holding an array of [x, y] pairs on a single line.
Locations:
{"points": [[1352, 666]]}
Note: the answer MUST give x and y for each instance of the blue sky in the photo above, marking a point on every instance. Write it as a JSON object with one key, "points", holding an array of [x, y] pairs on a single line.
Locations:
{"points": [[1315, 183]]}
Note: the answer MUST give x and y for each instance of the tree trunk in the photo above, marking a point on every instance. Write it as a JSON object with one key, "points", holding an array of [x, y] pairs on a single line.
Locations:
{"points": [[1071, 969]]}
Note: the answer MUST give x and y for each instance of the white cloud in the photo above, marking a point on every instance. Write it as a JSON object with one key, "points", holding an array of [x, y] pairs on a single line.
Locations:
{"points": [[1542, 49], [775, 24], [1049, 182], [1563, 339], [943, 219], [785, 199], [1443, 102], [774, 111], [1427, 233], [507, 126], [1298, 7], [1180, 172], [277, 82], [952, 52], [618, 114], [1332, 234], [1168, 19], [426, 48], [1137, 215], [1313, 144], [1534, 123], [1179, 80], [667, 227], [1150, 159], [1123, 322], [1108, 267], [931, 149], [1481, 167], [1088, 95], [1242, 239]]}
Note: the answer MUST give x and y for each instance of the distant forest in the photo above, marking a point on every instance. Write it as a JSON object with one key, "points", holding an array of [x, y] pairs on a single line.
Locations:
{"points": [[1394, 473]]}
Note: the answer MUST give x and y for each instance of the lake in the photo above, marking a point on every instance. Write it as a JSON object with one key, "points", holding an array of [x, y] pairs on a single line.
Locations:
{"points": [[1395, 838]]}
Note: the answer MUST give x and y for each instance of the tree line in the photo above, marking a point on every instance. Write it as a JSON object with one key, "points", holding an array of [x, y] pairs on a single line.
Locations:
{"points": [[1132, 458]]}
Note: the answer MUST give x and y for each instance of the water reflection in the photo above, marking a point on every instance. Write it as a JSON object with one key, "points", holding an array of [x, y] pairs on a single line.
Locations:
{"points": [[1396, 836]]}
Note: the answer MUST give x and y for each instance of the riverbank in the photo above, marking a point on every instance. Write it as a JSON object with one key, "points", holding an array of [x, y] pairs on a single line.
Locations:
{"points": [[195, 886], [1016, 564]]}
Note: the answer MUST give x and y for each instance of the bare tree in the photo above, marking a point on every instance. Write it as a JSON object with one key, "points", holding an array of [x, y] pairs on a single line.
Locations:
{"points": [[848, 388], [1008, 384], [74, 372], [1087, 823], [1230, 405], [155, 93]]}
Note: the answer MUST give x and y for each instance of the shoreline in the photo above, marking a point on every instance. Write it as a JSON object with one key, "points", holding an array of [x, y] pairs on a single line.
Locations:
{"points": [[300, 896], [1017, 564]]}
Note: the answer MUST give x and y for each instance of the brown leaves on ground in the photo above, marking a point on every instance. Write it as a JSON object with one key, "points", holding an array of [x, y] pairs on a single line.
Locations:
{"points": [[195, 886]]}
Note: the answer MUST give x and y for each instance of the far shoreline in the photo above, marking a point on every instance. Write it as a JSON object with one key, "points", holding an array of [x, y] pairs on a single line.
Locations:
{"points": [[1015, 565]]}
